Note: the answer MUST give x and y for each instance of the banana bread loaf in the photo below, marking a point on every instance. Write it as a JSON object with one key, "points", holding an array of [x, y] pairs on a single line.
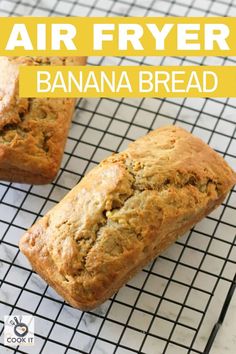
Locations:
{"points": [[33, 131], [126, 211]]}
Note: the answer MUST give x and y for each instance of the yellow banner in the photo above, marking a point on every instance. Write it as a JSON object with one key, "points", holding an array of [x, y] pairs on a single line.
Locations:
{"points": [[122, 36], [127, 81]]}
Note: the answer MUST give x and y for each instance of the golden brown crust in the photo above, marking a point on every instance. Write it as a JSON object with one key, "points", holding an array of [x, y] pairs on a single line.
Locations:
{"points": [[124, 213], [33, 131]]}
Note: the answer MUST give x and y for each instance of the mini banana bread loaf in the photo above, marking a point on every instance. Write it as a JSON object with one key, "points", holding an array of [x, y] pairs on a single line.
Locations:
{"points": [[33, 131], [126, 211]]}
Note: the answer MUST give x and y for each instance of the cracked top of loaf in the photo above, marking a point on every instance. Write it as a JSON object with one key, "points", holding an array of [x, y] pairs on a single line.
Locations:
{"points": [[32, 130], [125, 212]]}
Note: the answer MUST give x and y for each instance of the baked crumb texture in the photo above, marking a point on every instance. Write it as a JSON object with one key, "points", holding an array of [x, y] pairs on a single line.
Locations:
{"points": [[124, 213], [33, 131]]}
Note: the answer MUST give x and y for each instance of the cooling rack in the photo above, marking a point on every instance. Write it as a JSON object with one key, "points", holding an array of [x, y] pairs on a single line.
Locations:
{"points": [[178, 302]]}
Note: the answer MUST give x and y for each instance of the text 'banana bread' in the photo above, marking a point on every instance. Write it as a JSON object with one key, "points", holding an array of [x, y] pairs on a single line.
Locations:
{"points": [[126, 211], [33, 131]]}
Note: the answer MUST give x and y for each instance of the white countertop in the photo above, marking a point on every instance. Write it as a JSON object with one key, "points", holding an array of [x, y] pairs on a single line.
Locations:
{"points": [[170, 306], [225, 341]]}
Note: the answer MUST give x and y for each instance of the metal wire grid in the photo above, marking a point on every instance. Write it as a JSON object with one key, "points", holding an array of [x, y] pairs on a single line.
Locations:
{"points": [[173, 304]]}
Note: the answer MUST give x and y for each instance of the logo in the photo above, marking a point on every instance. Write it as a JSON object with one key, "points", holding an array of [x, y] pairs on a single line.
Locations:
{"points": [[19, 330]]}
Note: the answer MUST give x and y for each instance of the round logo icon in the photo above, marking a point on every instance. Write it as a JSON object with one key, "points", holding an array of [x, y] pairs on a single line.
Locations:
{"points": [[20, 328]]}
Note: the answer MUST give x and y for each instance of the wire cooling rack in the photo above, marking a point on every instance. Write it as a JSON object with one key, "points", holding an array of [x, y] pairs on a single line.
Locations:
{"points": [[174, 305]]}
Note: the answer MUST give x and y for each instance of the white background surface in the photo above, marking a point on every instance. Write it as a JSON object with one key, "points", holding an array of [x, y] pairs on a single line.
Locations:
{"points": [[172, 305]]}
